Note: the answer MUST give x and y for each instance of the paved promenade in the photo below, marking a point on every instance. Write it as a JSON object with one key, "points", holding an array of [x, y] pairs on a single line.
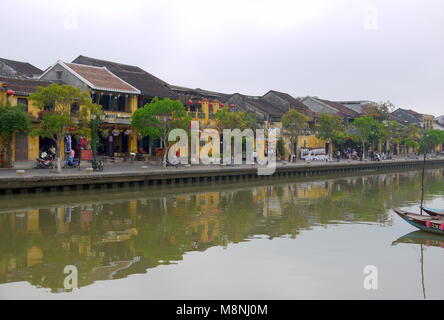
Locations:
{"points": [[136, 167]]}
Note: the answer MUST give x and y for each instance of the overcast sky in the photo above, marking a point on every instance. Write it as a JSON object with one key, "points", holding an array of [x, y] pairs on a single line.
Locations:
{"points": [[335, 49]]}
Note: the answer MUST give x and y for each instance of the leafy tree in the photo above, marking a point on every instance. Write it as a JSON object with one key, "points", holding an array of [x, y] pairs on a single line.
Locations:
{"points": [[14, 121], [410, 136], [380, 111], [57, 118], [331, 128], [392, 134], [158, 118], [226, 119], [430, 139], [294, 123], [362, 130]]}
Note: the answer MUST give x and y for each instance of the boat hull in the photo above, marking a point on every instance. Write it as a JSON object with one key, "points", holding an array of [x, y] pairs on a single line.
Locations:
{"points": [[427, 224], [434, 212]]}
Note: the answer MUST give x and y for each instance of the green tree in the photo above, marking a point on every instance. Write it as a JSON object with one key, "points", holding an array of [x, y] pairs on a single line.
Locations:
{"points": [[362, 130], [158, 118], [430, 139], [226, 119], [59, 118], [331, 128], [294, 123], [14, 121], [410, 136]]}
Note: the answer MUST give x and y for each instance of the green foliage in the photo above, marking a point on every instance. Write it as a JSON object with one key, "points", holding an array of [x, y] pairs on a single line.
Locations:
{"points": [[280, 146], [430, 139], [227, 119], [294, 123], [159, 117], [59, 120], [381, 111], [362, 128], [331, 128], [14, 120]]}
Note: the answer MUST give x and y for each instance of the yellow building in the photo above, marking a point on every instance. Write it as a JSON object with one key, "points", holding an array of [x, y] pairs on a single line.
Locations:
{"points": [[14, 91], [119, 100]]}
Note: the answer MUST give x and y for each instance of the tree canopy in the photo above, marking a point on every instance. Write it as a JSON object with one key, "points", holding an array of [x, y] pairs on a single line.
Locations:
{"points": [[294, 123], [14, 120]]}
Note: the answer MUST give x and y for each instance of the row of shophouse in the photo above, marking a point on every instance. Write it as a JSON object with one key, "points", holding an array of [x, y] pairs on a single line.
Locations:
{"points": [[121, 89]]}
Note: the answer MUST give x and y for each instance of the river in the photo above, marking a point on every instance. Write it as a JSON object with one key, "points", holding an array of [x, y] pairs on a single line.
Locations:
{"points": [[276, 239]]}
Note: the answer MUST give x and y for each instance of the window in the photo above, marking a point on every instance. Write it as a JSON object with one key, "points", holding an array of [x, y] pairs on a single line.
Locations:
{"points": [[59, 75]]}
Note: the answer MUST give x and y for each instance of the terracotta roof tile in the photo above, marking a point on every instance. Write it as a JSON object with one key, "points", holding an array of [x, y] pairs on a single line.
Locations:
{"points": [[102, 79]]}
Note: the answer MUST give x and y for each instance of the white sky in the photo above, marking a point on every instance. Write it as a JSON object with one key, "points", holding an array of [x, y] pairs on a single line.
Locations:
{"points": [[335, 49]]}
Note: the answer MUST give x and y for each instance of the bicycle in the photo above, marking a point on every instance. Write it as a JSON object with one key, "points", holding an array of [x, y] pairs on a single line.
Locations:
{"points": [[97, 164]]}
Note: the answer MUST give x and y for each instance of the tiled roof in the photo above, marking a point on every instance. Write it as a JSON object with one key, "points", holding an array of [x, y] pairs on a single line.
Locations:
{"points": [[20, 69], [262, 105], [404, 115], [295, 103], [201, 93], [23, 86], [100, 78], [148, 84], [343, 110]]}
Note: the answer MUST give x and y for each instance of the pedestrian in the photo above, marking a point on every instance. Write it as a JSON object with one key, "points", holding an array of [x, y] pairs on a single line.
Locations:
{"points": [[338, 155]]}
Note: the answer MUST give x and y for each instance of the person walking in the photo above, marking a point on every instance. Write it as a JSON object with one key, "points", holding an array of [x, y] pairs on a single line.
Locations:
{"points": [[338, 155]]}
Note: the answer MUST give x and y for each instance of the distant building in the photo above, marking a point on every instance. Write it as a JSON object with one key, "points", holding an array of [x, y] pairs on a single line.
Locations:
{"points": [[201, 104], [265, 112], [407, 117], [118, 99], [18, 69], [320, 106], [285, 101], [360, 107], [149, 85]]}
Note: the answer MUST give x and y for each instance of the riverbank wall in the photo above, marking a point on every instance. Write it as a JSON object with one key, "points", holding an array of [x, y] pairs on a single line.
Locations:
{"points": [[54, 182]]}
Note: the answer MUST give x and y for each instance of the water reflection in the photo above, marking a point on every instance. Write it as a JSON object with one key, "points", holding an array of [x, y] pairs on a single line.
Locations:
{"points": [[113, 234]]}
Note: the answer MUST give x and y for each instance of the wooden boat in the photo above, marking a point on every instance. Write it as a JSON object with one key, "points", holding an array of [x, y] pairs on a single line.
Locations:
{"points": [[434, 212], [424, 223]]}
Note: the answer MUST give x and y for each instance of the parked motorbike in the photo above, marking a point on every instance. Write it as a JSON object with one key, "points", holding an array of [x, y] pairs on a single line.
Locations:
{"points": [[45, 161]]}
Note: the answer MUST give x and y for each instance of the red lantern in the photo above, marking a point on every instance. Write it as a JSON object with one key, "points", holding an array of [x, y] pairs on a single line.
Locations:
{"points": [[10, 92], [72, 129], [222, 105], [190, 101], [232, 106], [200, 102]]}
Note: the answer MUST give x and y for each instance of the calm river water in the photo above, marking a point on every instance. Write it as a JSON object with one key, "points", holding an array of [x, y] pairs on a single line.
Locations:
{"points": [[278, 239]]}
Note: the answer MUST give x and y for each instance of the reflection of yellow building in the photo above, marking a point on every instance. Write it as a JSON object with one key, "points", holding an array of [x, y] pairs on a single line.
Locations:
{"points": [[34, 257]]}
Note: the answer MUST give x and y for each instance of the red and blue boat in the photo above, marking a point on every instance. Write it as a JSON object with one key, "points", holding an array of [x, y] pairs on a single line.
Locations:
{"points": [[433, 224]]}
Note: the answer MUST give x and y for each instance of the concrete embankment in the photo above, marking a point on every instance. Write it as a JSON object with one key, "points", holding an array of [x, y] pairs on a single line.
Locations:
{"points": [[181, 176]]}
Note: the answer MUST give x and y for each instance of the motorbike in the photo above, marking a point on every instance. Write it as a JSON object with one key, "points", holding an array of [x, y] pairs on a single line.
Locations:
{"points": [[45, 161]]}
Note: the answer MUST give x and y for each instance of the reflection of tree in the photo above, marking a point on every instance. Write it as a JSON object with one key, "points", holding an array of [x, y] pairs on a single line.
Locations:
{"points": [[113, 239]]}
